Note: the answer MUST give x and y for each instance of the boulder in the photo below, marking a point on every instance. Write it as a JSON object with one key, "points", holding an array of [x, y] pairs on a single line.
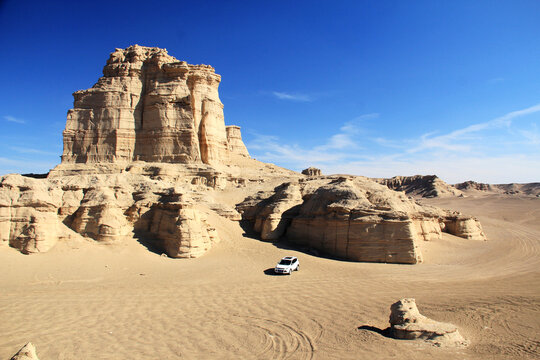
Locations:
{"points": [[27, 352], [407, 323], [465, 227]]}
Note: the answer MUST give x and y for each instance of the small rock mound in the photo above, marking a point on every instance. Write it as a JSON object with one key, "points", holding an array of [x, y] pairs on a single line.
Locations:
{"points": [[407, 323], [27, 352], [312, 171]]}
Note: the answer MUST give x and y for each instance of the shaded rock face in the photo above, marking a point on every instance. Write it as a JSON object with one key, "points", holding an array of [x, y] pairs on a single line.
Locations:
{"points": [[27, 352], [149, 106], [312, 171], [352, 218], [407, 323], [420, 185]]}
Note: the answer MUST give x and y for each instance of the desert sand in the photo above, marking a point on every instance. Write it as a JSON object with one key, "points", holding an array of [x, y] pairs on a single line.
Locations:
{"points": [[145, 243], [89, 301]]}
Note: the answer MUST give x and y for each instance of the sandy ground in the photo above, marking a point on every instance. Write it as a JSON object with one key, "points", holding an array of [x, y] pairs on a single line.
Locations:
{"points": [[125, 302]]}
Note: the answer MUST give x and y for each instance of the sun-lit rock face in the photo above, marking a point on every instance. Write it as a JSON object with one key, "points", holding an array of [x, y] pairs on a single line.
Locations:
{"points": [[149, 106], [234, 138], [407, 323], [353, 218]]}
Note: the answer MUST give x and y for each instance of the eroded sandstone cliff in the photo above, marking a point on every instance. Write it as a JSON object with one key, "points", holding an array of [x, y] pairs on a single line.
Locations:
{"points": [[149, 106], [353, 218]]}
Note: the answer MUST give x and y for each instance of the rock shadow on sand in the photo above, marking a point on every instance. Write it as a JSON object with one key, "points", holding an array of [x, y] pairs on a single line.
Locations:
{"points": [[384, 332]]}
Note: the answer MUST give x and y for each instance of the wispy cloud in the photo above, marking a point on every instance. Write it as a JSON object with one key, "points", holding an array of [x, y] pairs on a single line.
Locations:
{"points": [[348, 135], [491, 151], [292, 97], [532, 136], [14, 119], [25, 150], [454, 140]]}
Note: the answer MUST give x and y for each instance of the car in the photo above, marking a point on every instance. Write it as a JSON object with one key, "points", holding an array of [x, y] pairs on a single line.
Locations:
{"points": [[287, 265]]}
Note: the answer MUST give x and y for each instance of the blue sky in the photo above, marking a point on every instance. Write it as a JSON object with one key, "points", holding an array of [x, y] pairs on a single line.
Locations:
{"points": [[374, 88]]}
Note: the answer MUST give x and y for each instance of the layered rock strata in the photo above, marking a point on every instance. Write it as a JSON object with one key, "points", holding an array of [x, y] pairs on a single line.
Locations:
{"points": [[352, 218], [149, 106], [234, 139], [407, 323], [36, 214]]}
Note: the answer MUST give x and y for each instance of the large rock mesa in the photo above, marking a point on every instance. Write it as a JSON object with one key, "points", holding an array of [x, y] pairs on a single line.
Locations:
{"points": [[151, 107]]}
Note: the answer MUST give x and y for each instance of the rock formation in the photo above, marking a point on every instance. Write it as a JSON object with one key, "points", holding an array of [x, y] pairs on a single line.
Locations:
{"points": [[407, 323], [312, 171], [27, 352], [420, 185], [234, 139], [353, 218], [530, 189], [36, 214], [429, 186], [149, 106], [147, 155]]}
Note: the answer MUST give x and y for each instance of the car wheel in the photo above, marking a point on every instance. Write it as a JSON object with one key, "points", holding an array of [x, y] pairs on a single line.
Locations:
{"points": [[298, 268], [290, 272]]}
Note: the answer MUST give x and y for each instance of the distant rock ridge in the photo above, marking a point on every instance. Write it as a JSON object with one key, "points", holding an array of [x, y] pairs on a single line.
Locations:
{"points": [[149, 106], [429, 186], [529, 189], [420, 185]]}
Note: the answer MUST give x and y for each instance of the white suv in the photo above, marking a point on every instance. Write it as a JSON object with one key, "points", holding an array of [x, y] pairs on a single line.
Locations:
{"points": [[287, 265]]}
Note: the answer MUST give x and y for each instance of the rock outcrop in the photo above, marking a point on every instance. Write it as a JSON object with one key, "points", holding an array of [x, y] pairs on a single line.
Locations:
{"points": [[420, 185], [35, 214], [407, 323], [312, 171], [464, 226], [28, 214], [352, 218], [27, 352], [234, 139], [151, 107], [429, 186], [530, 189], [147, 156]]}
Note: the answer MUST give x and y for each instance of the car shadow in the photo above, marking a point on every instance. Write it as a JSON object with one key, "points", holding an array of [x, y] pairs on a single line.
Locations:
{"points": [[271, 272], [384, 332]]}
